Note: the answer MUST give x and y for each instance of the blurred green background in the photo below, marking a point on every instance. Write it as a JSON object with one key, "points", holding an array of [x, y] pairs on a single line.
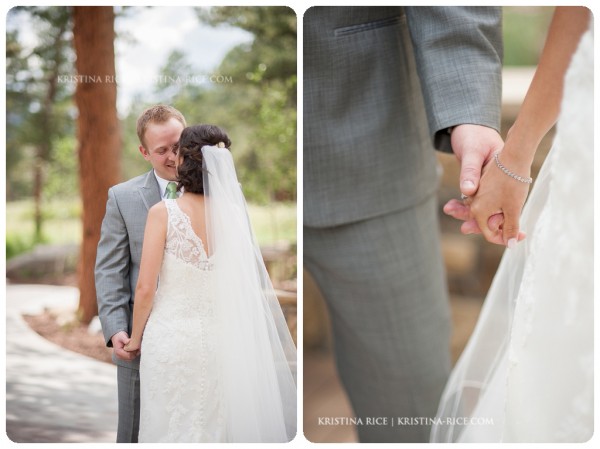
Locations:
{"points": [[524, 32], [256, 105]]}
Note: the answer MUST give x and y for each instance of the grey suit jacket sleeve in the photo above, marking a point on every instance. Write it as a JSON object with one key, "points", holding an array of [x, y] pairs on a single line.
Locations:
{"points": [[458, 51], [113, 291]]}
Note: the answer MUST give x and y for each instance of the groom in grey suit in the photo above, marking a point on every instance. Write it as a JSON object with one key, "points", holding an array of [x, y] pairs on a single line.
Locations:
{"points": [[383, 87], [120, 251]]}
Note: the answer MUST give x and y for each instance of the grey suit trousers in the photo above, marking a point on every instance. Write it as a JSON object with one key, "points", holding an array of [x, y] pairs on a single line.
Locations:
{"points": [[384, 284], [128, 384]]}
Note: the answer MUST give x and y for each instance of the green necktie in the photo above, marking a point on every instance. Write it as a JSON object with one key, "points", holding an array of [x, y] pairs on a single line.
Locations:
{"points": [[171, 191]]}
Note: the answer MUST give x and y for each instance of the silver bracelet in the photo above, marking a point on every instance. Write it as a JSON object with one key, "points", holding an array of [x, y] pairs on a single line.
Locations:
{"points": [[509, 173]]}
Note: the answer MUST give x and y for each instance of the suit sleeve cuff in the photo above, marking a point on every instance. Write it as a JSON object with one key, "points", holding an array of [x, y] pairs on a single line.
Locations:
{"points": [[441, 140], [109, 340]]}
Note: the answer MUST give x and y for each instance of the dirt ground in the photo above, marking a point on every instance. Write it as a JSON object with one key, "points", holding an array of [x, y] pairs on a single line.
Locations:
{"points": [[74, 337]]}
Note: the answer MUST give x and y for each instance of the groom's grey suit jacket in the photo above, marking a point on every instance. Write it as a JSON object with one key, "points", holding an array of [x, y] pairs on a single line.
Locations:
{"points": [[120, 252], [381, 84]]}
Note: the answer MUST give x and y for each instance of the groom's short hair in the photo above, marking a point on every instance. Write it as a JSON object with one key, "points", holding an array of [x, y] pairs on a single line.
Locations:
{"points": [[159, 113]]}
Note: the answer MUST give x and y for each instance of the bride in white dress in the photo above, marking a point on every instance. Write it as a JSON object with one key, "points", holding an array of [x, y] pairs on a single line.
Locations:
{"points": [[217, 359], [526, 374]]}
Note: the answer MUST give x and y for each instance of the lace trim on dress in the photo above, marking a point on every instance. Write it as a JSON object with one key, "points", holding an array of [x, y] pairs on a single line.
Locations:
{"points": [[182, 242]]}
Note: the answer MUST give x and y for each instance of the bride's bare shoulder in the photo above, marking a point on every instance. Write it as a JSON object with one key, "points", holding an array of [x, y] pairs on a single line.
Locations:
{"points": [[158, 211]]}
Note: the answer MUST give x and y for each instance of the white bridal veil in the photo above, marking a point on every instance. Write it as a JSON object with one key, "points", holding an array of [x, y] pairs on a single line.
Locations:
{"points": [[259, 355], [527, 373]]}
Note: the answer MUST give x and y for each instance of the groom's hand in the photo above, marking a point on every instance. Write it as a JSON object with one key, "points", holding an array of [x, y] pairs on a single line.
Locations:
{"points": [[119, 340], [474, 146], [461, 211]]}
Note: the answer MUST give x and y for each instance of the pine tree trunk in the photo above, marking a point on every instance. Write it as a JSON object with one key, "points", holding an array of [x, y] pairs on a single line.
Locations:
{"points": [[98, 135]]}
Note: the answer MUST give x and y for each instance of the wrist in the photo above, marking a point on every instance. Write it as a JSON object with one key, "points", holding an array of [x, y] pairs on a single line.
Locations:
{"points": [[512, 169], [134, 343], [517, 159], [135, 339], [520, 144]]}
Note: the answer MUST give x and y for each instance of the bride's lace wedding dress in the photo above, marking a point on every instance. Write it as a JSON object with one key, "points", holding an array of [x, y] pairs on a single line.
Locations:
{"points": [[526, 374], [218, 362], [181, 396]]}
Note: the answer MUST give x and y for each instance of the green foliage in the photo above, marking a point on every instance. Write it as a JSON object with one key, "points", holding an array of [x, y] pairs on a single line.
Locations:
{"points": [[38, 103], [261, 105], [525, 29], [39, 111], [175, 66], [132, 162], [274, 46], [269, 169], [61, 177], [18, 244]]}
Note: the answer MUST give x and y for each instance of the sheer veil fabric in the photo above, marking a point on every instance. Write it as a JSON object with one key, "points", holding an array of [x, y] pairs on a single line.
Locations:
{"points": [[526, 374], [258, 363]]}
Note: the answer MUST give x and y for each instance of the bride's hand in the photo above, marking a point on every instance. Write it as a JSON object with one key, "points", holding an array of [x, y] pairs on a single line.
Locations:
{"points": [[500, 194], [457, 209], [132, 346]]}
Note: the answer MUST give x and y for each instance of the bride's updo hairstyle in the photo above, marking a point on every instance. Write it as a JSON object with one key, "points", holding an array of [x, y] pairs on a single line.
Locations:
{"points": [[192, 139]]}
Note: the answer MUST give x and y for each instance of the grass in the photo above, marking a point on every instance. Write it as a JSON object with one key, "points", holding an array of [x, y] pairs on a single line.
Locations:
{"points": [[61, 225], [272, 224]]}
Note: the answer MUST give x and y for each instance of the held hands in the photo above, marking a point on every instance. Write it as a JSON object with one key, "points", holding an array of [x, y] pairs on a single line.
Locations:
{"points": [[122, 348], [133, 347], [494, 199]]}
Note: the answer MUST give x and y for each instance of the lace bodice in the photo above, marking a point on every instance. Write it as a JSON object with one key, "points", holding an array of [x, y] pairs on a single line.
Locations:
{"points": [[180, 388], [182, 242], [185, 287]]}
